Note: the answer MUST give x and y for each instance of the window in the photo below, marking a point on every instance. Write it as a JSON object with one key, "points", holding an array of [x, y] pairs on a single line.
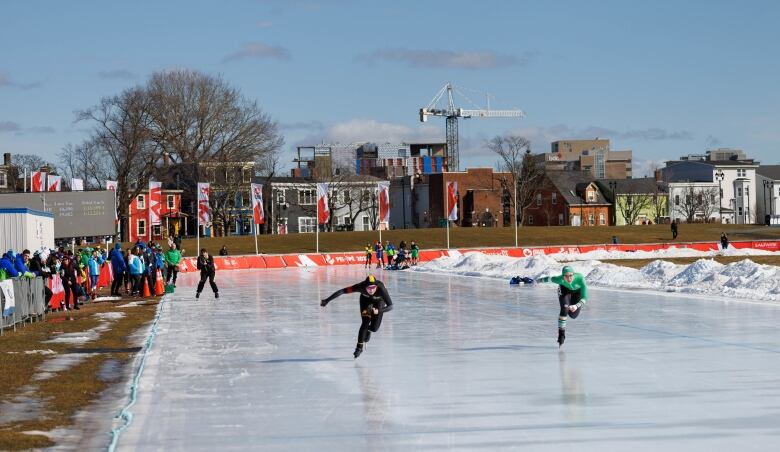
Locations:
{"points": [[306, 197], [554, 198], [171, 202], [676, 200], [602, 219], [591, 195], [141, 201], [307, 224], [591, 219], [538, 199], [739, 191], [741, 173], [141, 227], [629, 200], [3, 179], [347, 219], [280, 197], [156, 230], [560, 219], [739, 211], [366, 194], [747, 191], [247, 175], [366, 223], [530, 219]]}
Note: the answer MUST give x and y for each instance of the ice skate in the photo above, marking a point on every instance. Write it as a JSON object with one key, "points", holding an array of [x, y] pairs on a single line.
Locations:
{"points": [[561, 337], [358, 350]]}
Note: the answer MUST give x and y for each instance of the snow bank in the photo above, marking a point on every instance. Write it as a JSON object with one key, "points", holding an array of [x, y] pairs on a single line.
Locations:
{"points": [[744, 279]]}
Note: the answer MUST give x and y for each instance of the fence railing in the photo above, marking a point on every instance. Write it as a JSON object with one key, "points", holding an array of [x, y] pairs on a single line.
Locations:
{"points": [[29, 303]]}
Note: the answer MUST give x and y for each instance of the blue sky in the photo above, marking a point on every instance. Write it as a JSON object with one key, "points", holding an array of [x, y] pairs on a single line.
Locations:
{"points": [[663, 78]]}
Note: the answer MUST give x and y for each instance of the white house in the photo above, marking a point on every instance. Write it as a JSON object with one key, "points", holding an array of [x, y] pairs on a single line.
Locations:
{"points": [[734, 179], [768, 187]]}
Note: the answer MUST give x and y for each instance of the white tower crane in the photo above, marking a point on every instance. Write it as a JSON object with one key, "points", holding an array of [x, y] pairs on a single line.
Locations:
{"points": [[452, 114]]}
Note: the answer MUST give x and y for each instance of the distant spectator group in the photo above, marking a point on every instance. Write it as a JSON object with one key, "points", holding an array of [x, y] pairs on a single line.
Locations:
{"points": [[391, 258]]}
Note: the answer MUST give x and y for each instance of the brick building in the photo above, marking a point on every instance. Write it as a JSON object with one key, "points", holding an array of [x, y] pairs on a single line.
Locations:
{"points": [[173, 220], [568, 198]]}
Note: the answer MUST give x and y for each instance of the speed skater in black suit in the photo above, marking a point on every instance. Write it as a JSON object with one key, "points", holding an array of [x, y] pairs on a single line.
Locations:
{"points": [[374, 302]]}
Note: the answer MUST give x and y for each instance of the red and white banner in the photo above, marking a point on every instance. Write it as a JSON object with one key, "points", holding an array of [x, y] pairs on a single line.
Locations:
{"points": [[54, 183], [155, 202], [76, 184], [111, 185], [384, 202], [38, 181], [452, 201], [257, 203], [323, 208], [204, 210]]}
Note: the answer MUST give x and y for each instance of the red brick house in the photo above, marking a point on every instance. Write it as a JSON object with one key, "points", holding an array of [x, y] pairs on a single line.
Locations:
{"points": [[568, 198], [173, 220], [483, 200]]}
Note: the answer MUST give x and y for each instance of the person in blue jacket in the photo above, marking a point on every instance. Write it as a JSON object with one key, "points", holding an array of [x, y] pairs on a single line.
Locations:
{"points": [[21, 264], [135, 266], [94, 262], [119, 267], [7, 263]]}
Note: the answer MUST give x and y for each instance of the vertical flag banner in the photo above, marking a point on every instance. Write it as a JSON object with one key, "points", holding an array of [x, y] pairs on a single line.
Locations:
{"points": [[204, 211], [323, 209], [155, 202], [38, 181], [77, 184], [54, 183], [384, 202], [111, 185], [257, 203], [452, 201]]}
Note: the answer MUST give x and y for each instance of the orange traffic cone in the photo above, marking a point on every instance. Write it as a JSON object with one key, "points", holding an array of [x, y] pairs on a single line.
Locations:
{"points": [[146, 289], [159, 287]]}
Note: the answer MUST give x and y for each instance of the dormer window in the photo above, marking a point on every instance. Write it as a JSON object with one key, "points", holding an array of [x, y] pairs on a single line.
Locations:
{"points": [[591, 195]]}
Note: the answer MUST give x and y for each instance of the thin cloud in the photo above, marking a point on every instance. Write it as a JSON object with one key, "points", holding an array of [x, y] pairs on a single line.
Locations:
{"points": [[447, 59], [7, 82], [40, 130], [8, 126], [258, 50], [120, 74], [303, 125]]}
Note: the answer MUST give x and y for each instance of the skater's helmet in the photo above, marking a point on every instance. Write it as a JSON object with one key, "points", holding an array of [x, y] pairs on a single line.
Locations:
{"points": [[566, 269]]}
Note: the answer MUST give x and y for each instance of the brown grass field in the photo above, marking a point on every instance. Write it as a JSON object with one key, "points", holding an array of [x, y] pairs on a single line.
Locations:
{"points": [[481, 237]]}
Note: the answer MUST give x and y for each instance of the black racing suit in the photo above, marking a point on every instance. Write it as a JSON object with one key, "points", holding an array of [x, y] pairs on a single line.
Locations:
{"points": [[207, 271], [380, 301]]}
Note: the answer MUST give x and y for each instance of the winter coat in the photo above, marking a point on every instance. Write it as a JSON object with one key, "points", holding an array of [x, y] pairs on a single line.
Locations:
{"points": [[118, 260], [7, 263], [135, 265], [172, 257], [68, 272], [94, 265], [20, 266], [159, 262], [206, 265]]}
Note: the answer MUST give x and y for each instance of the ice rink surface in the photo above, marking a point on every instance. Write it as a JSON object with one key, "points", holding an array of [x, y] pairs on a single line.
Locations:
{"points": [[460, 364]]}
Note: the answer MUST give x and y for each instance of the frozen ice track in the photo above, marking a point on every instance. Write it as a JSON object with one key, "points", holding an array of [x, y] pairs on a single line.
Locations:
{"points": [[461, 363]]}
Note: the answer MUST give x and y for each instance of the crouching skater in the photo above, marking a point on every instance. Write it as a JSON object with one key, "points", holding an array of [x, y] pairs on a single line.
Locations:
{"points": [[374, 302], [572, 296]]}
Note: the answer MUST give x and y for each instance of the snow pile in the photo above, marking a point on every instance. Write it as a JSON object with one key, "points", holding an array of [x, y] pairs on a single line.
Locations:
{"points": [[659, 254], [744, 279]]}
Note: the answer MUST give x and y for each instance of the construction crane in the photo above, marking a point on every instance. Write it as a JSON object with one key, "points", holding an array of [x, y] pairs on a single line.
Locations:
{"points": [[452, 114]]}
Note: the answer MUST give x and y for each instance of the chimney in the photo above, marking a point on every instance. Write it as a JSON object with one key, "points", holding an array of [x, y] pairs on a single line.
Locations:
{"points": [[7, 159]]}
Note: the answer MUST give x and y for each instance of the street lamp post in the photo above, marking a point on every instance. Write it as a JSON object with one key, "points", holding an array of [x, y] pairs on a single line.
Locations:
{"points": [[613, 188], [719, 177]]}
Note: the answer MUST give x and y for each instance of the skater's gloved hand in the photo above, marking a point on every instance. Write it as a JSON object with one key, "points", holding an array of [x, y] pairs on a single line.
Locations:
{"points": [[28, 275], [572, 308], [376, 311], [323, 302]]}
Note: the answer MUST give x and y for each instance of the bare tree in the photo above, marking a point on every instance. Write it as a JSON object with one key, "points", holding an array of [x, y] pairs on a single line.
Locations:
{"points": [[267, 167], [525, 174], [631, 205], [79, 162], [121, 137], [197, 118], [660, 202], [697, 201], [27, 164]]}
